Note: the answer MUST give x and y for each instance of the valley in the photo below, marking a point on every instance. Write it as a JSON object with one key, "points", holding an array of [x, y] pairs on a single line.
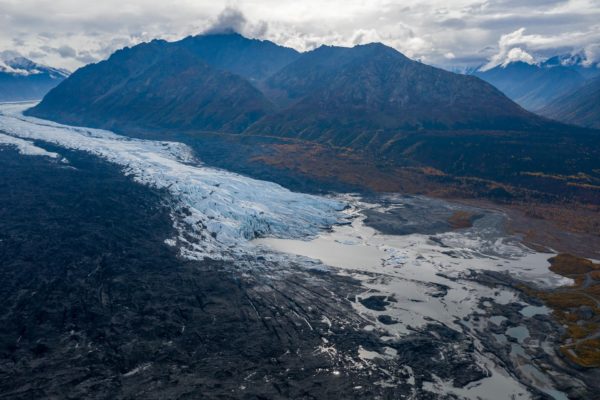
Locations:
{"points": [[230, 209], [302, 295]]}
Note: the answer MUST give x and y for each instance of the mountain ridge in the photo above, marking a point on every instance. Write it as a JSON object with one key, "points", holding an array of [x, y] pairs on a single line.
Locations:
{"points": [[535, 85], [339, 113], [530, 85], [154, 86], [374, 88], [252, 59], [311, 91], [22, 79], [579, 107]]}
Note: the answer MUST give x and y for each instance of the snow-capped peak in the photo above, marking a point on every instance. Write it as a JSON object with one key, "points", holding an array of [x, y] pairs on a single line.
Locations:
{"points": [[570, 60], [15, 64], [518, 55]]}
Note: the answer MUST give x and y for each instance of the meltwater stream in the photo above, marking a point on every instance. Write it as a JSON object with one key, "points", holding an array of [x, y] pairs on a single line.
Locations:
{"points": [[421, 278]]}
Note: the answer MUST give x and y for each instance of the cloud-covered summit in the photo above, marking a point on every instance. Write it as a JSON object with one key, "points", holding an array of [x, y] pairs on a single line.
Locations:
{"points": [[461, 32]]}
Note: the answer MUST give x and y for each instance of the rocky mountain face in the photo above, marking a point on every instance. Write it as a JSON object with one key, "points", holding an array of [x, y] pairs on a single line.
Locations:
{"points": [[22, 79], [156, 86], [589, 69], [228, 83], [348, 95], [579, 107], [532, 86], [252, 59]]}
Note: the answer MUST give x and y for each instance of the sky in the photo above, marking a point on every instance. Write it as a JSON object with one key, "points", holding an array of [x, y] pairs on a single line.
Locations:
{"points": [[447, 33]]}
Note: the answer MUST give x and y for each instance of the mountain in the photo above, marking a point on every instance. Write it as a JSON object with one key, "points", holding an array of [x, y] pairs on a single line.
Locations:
{"points": [[155, 85], [341, 94], [22, 79], [533, 86], [226, 82], [579, 107], [369, 100], [252, 59], [575, 62]]}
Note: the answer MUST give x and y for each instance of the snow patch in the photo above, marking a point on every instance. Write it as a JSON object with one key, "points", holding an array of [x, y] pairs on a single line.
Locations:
{"points": [[25, 147]]}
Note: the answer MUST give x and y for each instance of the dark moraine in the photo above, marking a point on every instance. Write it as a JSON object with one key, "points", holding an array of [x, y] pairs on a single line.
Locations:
{"points": [[417, 214], [95, 305]]}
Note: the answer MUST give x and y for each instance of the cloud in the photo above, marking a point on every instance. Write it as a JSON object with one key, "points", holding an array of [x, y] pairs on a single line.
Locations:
{"points": [[232, 20], [66, 52], [592, 54], [8, 55], [472, 30], [36, 54], [228, 21], [518, 45], [450, 55], [518, 54]]}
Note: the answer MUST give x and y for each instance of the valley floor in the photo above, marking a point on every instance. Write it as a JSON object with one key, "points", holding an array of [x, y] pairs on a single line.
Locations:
{"points": [[128, 270]]}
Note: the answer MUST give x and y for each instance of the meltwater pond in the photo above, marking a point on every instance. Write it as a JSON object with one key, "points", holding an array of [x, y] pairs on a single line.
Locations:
{"points": [[358, 246], [421, 273]]}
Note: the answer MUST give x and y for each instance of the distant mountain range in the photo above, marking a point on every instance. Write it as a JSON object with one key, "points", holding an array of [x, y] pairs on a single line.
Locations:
{"points": [[229, 83], [579, 107], [535, 86], [22, 79]]}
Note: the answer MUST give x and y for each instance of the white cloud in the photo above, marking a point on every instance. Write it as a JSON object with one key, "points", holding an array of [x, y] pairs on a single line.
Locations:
{"points": [[592, 53], [518, 54], [450, 55], [518, 45], [83, 31]]}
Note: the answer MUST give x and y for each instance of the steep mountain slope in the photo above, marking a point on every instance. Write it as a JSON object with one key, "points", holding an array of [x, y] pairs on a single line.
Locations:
{"points": [[22, 79], [154, 85], [580, 107], [340, 94], [335, 94], [532, 86], [579, 63], [253, 59]]}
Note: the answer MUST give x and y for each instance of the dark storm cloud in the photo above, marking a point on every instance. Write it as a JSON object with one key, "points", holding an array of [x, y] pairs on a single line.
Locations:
{"points": [[230, 20], [66, 52], [504, 4], [548, 22]]}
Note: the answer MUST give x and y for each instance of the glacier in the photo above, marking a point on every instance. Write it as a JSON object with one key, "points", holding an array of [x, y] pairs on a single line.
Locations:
{"points": [[216, 212]]}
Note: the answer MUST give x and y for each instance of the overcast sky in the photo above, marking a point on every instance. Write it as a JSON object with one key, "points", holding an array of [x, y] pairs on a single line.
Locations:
{"points": [[70, 33]]}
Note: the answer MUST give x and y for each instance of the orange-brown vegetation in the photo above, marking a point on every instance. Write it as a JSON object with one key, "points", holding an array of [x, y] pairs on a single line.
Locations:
{"points": [[348, 166], [573, 217], [571, 266], [576, 307], [461, 220]]}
